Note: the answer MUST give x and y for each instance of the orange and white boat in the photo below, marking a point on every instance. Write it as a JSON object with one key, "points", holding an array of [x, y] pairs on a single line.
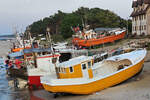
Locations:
{"points": [[19, 49], [85, 75], [89, 38], [22, 43]]}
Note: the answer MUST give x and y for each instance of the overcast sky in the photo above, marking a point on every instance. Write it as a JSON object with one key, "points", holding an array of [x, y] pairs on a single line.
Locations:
{"points": [[21, 13]]}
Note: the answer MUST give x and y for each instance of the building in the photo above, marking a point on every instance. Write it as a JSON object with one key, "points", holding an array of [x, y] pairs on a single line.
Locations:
{"points": [[141, 17]]}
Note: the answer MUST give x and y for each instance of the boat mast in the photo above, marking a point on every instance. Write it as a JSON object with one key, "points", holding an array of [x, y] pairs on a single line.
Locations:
{"points": [[49, 40], [19, 40]]}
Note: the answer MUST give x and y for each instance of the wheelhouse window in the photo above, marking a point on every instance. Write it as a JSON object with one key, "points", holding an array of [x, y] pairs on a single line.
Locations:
{"points": [[83, 66], [64, 70], [61, 70], [98, 59], [106, 56], [58, 69], [71, 69], [89, 64]]}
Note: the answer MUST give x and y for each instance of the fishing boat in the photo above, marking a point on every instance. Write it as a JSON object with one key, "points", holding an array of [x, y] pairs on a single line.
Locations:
{"points": [[88, 38], [44, 64], [86, 75], [15, 65], [29, 64], [16, 62], [22, 43]]}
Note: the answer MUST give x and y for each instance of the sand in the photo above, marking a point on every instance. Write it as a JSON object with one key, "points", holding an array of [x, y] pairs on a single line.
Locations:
{"points": [[137, 88]]}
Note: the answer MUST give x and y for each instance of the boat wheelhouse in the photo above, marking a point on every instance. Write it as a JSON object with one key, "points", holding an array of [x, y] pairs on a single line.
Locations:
{"points": [[75, 68]]}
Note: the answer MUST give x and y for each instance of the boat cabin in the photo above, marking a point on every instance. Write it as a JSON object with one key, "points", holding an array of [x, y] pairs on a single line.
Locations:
{"points": [[79, 67], [41, 58], [89, 34]]}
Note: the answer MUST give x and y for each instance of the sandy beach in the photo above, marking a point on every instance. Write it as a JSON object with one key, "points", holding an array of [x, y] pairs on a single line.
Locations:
{"points": [[136, 88]]}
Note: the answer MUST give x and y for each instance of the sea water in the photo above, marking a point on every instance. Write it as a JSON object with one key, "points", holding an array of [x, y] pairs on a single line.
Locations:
{"points": [[4, 87], [7, 36], [8, 92]]}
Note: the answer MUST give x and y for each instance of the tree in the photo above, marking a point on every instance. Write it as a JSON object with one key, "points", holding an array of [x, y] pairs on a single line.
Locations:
{"points": [[70, 20]]}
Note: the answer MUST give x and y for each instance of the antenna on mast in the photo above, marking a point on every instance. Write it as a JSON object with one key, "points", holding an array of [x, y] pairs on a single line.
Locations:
{"points": [[48, 35], [15, 30], [83, 24]]}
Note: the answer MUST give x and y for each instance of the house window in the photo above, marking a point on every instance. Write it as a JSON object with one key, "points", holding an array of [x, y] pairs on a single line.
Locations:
{"points": [[139, 17], [83, 66], [71, 69], [139, 27], [144, 27], [144, 16], [89, 64], [135, 18]]}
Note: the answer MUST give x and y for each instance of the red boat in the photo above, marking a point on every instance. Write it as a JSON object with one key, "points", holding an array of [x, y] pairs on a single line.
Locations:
{"points": [[89, 38]]}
